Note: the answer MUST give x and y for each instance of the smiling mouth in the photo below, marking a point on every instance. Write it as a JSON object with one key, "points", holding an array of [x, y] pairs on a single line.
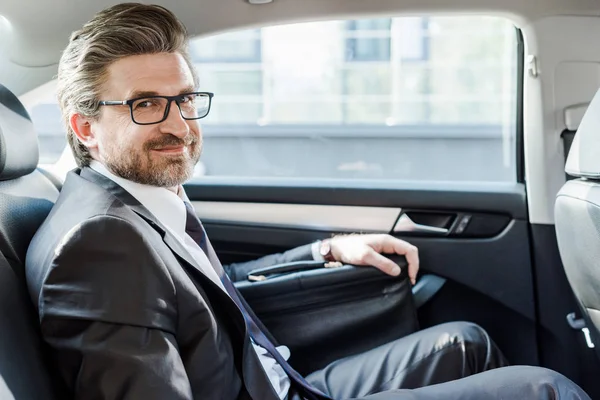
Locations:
{"points": [[170, 150]]}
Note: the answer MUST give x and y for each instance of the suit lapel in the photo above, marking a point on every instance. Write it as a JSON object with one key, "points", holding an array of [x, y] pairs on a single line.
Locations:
{"points": [[177, 248], [254, 376], [187, 261], [125, 197]]}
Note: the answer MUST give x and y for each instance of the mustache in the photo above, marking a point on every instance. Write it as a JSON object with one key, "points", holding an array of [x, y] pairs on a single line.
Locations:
{"points": [[171, 140]]}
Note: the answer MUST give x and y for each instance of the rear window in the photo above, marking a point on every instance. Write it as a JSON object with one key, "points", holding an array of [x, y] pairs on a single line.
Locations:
{"points": [[410, 98]]}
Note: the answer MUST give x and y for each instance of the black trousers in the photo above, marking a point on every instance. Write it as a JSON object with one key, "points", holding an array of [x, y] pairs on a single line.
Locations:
{"points": [[448, 361]]}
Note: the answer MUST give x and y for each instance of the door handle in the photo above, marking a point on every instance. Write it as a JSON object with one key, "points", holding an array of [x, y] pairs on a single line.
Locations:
{"points": [[405, 224]]}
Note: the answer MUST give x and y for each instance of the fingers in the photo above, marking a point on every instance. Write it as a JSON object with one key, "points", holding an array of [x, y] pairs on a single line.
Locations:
{"points": [[367, 249], [382, 263], [411, 253], [412, 256]]}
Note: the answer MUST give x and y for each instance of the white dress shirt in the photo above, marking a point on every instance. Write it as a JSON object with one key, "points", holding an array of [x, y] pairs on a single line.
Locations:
{"points": [[168, 208]]}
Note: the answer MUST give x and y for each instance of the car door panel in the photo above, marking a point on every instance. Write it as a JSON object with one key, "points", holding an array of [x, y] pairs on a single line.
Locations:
{"points": [[300, 216], [500, 197], [487, 263]]}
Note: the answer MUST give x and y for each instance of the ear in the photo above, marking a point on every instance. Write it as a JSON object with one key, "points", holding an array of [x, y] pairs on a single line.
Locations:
{"points": [[82, 127]]}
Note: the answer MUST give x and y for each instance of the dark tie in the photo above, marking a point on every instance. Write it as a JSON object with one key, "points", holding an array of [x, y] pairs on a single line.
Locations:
{"points": [[194, 228]]}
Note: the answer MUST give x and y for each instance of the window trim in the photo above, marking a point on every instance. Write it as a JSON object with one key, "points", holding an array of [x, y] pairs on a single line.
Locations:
{"points": [[520, 125]]}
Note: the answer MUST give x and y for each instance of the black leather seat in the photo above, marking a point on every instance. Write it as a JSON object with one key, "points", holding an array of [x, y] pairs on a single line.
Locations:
{"points": [[577, 218], [26, 197]]}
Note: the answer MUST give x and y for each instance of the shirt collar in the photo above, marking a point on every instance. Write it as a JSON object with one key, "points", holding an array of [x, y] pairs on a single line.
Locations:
{"points": [[166, 206]]}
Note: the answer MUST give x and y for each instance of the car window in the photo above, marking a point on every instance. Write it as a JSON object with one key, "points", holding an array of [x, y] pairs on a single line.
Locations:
{"points": [[411, 98]]}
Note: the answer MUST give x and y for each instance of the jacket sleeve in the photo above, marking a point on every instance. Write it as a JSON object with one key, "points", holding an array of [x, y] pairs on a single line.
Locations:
{"points": [[108, 311], [239, 271]]}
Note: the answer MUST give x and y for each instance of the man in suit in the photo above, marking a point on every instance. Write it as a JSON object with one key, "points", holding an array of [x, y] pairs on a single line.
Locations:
{"points": [[132, 298]]}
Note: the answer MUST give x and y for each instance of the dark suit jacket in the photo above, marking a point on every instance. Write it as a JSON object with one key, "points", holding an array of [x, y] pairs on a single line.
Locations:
{"points": [[126, 310]]}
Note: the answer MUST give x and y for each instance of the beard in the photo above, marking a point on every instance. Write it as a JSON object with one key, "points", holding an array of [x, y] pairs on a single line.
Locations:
{"points": [[143, 167]]}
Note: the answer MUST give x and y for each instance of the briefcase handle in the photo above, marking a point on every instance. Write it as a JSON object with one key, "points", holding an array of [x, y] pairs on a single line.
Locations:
{"points": [[262, 274]]}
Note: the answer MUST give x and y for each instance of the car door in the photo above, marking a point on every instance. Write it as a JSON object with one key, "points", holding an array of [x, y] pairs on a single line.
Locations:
{"points": [[374, 126]]}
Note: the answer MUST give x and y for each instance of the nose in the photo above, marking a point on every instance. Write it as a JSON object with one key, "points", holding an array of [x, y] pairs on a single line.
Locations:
{"points": [[174, 123]]}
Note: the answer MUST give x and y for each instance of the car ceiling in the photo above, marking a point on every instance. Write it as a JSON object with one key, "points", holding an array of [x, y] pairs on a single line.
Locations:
{"points": [[33, 33]]}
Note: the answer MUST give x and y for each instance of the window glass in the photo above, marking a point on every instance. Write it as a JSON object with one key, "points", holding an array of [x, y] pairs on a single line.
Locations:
{"points": [[417, 98], [368, 40], [409, 98], [230, 47]]}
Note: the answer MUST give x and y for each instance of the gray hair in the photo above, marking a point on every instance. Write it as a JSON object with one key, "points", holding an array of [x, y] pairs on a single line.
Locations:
{"points": [[117, 32]]}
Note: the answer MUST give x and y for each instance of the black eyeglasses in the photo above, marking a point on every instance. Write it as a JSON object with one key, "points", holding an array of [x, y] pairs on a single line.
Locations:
{"points": [[150, 110]]}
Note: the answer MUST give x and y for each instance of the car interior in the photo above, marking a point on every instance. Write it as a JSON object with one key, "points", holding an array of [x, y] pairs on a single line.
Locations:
{"points": [[516, 254]]}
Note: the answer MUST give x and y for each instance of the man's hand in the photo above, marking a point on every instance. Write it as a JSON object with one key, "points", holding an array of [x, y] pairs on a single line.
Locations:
{"points": [[367, 250]]}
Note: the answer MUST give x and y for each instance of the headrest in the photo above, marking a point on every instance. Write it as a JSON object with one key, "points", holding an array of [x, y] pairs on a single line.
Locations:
{"points": [[584, 156], [19, 152]]}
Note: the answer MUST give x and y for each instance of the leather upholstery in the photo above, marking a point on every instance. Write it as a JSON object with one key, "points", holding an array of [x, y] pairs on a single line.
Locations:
{"points": [[577, 218], [23, 368], [24, 204], [19, 151], [26, 197]]}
